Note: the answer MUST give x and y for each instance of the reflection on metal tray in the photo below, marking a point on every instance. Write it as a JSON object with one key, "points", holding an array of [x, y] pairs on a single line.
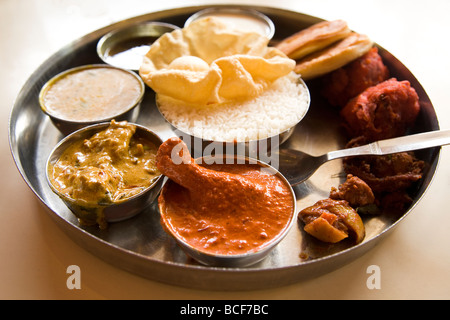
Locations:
{"points": [[139, 245]]}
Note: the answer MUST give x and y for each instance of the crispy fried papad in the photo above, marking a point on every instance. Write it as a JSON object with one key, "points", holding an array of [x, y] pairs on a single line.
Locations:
{"points": [[210, 62]]}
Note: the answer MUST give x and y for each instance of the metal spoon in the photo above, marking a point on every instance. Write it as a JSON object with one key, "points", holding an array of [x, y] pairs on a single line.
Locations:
{"points": [[298, 166]]}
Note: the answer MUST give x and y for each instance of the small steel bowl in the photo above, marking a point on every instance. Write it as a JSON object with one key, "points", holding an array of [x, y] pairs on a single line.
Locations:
{"points": [[126, 47], [259, 21], [67, 125], [231, 260], [117, 211]]}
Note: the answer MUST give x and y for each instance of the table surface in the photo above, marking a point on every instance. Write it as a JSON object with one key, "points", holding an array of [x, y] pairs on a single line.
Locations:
{"points": [[35, 253]]}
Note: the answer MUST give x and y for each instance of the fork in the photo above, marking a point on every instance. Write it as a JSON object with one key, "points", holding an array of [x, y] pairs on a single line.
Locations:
{"points": [[298, 166]]}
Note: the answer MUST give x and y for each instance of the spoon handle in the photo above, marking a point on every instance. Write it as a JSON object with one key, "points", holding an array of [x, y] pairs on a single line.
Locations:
{"points": [[394, 145]]}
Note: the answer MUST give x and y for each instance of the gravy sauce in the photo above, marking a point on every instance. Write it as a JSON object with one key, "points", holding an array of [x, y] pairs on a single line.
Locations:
{"points": [[110, 167], [91, 94], [244, 22]]}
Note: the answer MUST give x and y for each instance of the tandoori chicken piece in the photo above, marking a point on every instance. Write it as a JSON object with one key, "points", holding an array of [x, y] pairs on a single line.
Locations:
{"points": [[174, 161]]}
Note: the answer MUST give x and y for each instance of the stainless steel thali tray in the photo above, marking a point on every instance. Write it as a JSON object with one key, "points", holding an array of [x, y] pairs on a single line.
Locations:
{"points": [[140, 245]]}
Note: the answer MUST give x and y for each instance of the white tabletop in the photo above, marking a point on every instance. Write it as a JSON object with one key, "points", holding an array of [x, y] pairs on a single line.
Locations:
{"points": [[413, 261]]}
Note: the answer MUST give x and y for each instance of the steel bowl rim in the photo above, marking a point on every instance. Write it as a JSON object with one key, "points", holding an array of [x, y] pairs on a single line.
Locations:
{"points": [[111, 34], [236, 10], [301, 82]]}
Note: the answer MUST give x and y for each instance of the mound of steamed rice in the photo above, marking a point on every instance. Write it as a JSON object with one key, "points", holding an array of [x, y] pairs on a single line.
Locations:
{"points": [[278, 109]]}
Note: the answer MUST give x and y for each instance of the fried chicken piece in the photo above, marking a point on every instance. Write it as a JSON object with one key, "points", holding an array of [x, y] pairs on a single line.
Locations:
{"points": [[332, 221], [347, 82], [390, 176], [388, 173], [355, 191], [383, 111], [174, 161]]}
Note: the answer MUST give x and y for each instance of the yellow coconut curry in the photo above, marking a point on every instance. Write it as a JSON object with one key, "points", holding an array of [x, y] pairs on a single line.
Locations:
{"points": [[110, 167]]}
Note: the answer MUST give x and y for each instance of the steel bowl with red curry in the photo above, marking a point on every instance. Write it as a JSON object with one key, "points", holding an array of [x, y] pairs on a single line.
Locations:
{"points": [[220, 208]]}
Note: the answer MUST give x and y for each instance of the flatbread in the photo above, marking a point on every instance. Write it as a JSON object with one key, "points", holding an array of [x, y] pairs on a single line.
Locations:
{"points": [[333, 57], [314, 38]]}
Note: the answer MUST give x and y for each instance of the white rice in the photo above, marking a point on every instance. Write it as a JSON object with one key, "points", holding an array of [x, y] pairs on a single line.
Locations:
{"points": [[279, 108]]}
